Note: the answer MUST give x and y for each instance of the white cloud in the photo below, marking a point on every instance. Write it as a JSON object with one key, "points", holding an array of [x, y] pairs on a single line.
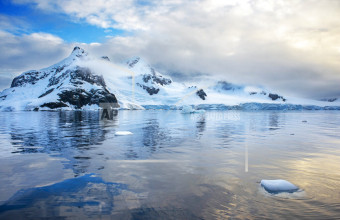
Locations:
{"points": [[292, 46], [28, 51], [36, 50]]}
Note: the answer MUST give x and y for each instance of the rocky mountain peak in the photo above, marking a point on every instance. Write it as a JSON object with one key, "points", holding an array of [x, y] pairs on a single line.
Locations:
{"points": [[132, 62], [105, 58], [78, 52]]}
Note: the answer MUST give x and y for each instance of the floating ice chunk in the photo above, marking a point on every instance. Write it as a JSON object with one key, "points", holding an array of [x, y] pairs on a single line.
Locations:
{"points": [[278, 186], [121, 133], [187, 109], [68, 125]]}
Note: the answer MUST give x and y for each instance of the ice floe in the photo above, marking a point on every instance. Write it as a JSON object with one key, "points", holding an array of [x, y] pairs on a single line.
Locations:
{"points": [[278, 186], [187, 109], [122, 133]]}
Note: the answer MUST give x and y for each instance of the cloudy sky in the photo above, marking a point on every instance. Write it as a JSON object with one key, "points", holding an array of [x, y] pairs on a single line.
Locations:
{"points": [[289, 46]]}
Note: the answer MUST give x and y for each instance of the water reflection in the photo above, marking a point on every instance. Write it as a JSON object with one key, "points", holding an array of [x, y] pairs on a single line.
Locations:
{"points": [[68, 134], [151, 137], [88, 193], [71, 164], [53, 133], [201, 125], [274, 121]]}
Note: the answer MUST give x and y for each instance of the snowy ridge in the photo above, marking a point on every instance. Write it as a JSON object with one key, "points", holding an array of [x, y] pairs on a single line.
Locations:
{"points": [[83, 82]]}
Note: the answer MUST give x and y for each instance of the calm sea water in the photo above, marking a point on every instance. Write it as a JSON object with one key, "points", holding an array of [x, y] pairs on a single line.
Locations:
{"points": [[174, 166]]}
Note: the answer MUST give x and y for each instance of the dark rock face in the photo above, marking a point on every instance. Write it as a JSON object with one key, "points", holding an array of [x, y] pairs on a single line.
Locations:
{"points": [[33, 77], [146, 78], [154, 79], [59, 69], [161, 80], [56, 79], [150, 77], [133, 62], [53, 105], [227, 86], [105, 58], [85, 74], [28, 77], [151, 90], [78, 51], [76, 48], [329, 100], [201, 94], [77, 77], [46, 93], [275, 97], [80, 97]]}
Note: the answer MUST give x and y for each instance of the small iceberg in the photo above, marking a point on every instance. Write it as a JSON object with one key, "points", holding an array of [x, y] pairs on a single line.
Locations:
{"points": [[187, 109], [122, 133], [67, 125], [278, 186]]}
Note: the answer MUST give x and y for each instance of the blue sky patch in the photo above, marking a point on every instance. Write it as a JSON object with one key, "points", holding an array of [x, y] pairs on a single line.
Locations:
{"points": [[70, 30]]}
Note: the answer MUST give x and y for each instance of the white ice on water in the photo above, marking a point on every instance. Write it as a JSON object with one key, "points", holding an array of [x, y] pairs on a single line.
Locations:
{"points": [[122, 133], [277, 186], [187, 109]]}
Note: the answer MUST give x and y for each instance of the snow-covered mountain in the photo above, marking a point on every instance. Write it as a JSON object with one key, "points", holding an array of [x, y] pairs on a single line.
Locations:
{"points": [[63, 85], [83, 82]]}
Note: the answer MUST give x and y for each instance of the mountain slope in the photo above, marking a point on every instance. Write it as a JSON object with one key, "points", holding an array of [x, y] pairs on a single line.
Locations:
{"points": [[64, 85]]}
